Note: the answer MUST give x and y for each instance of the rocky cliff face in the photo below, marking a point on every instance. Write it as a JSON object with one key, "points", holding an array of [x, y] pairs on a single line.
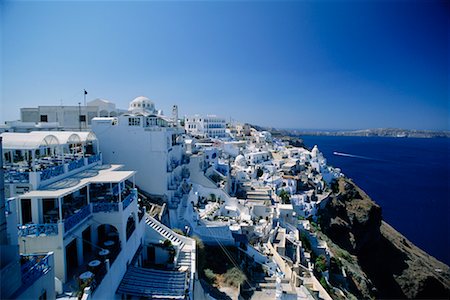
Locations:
{"points": [[393, 267]]}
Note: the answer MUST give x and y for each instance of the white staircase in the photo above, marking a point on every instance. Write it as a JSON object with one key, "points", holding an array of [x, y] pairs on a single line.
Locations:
{"points": [[165, 232]]}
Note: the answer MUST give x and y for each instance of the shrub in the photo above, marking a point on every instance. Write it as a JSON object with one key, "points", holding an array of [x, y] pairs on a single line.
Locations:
{"points": [[285, 197], [305, 242], [321, 263], [234, 277], [324, 283], [210, 276], [167, 243]]}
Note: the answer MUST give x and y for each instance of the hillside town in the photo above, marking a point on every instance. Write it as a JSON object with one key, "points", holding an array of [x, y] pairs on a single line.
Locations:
{"points": [[106, 203]]}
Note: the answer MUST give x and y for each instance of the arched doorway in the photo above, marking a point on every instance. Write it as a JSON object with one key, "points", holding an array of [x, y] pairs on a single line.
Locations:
{"points": [[131, 225]]}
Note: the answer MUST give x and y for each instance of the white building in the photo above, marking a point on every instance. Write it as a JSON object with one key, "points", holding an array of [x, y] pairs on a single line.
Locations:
{"points": [[68, 117], [35, 159], [149, 143], [210, 126], [21, 276], [88, 214]]}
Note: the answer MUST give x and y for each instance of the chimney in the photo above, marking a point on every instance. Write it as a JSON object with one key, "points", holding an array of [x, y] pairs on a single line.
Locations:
{"points": [[175, 115]]}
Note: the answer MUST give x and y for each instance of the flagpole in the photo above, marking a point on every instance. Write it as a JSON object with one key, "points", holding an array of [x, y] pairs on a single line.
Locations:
{"points": [[85, 97]]}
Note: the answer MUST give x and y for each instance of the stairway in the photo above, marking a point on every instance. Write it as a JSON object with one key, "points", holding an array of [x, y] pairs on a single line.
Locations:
{"points": [[270, 283], [165, 232], [184, 259]]}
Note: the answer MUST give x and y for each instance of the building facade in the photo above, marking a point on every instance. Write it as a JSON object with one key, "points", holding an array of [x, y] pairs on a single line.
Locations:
{"points": [[70, 117], [151, 144], [206, 126]]}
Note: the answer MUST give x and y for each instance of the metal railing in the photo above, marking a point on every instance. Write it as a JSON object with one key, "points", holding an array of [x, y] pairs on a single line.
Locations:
{"points": [[38, 229], [93, 158], [51, 172], [105, 207], [75, 219], [75, 164], [130, 198], [16, 177], [34, 268]]}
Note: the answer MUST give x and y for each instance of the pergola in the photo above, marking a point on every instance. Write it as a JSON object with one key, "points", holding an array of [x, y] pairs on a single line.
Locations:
{"points": [[27, 145]]}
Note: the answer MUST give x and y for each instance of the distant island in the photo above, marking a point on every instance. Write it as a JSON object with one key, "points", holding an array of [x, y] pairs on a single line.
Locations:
{"points": [[375, 132]]}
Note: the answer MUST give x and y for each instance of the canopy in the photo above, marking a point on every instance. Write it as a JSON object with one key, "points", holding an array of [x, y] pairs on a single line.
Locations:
{"points": [[86, 136], [64, 137], [28, 141]]}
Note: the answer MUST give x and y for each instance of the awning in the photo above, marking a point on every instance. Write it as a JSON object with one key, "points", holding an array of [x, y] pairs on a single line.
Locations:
{"points": [[28, 141], [154, 284]]}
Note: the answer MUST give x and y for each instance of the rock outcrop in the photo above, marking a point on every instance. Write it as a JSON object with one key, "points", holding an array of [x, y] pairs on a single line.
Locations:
{"points": [[395, 267]]}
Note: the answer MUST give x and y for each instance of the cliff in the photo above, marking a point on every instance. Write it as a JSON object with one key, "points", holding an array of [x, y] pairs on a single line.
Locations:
{"points": [[379, 261]]}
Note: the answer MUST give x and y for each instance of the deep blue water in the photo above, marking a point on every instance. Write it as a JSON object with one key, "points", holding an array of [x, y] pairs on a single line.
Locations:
{"points": [[407, 177]]}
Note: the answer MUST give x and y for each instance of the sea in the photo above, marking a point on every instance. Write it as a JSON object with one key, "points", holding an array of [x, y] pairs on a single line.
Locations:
{"points": [[407, 177]]}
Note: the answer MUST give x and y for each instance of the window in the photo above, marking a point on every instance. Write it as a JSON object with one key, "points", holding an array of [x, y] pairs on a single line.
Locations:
{"points": [[134, 121], [83, 118], [44, 118], [150, 121]]}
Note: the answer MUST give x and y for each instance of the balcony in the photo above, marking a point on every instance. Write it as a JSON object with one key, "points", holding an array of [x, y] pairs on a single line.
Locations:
{"points": [[14, 176], [51, 172], [93, 158], [106, 199], [130, 198], [33, 267], [75, 164], [46, 168], [75, 219], [38, 229], [105, 207]]}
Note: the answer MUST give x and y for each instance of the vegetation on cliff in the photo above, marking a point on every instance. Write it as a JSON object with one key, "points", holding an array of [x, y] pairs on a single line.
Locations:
{"points": [[379, 261]]}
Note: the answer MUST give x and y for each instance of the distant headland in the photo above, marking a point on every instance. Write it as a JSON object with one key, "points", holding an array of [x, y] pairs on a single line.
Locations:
{"points": [[374, 132]]}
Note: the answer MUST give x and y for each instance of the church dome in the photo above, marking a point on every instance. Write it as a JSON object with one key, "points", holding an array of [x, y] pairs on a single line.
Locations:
{"points": [[240, 161], [141, 104]]}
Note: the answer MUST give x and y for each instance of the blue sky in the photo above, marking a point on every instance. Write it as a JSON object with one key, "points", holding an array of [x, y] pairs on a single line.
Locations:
{"points": [[307, 64]]}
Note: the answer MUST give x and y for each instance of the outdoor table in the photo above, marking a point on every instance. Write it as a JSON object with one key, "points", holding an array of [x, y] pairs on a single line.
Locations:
{"points": [[95, 263], [86, 276], [104, 253], [108, 243]]}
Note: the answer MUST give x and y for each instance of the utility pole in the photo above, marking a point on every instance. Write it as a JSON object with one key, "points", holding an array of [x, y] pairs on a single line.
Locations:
{"points": [[79, 113]]}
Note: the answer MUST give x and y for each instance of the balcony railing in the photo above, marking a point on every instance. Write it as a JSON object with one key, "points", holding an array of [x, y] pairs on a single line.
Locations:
{"points": [[93, 158], [17, 177], [52, 172], [75, 219], [75, 164], [130, 198], [38, 229], [34, 268], [105, 207]]}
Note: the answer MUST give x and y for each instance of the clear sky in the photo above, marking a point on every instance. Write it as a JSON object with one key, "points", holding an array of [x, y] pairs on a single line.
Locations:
{"points": [[307, 64]]}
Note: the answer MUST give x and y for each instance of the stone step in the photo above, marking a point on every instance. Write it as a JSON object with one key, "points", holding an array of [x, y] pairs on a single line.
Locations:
{"points": [[268, 285]]}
